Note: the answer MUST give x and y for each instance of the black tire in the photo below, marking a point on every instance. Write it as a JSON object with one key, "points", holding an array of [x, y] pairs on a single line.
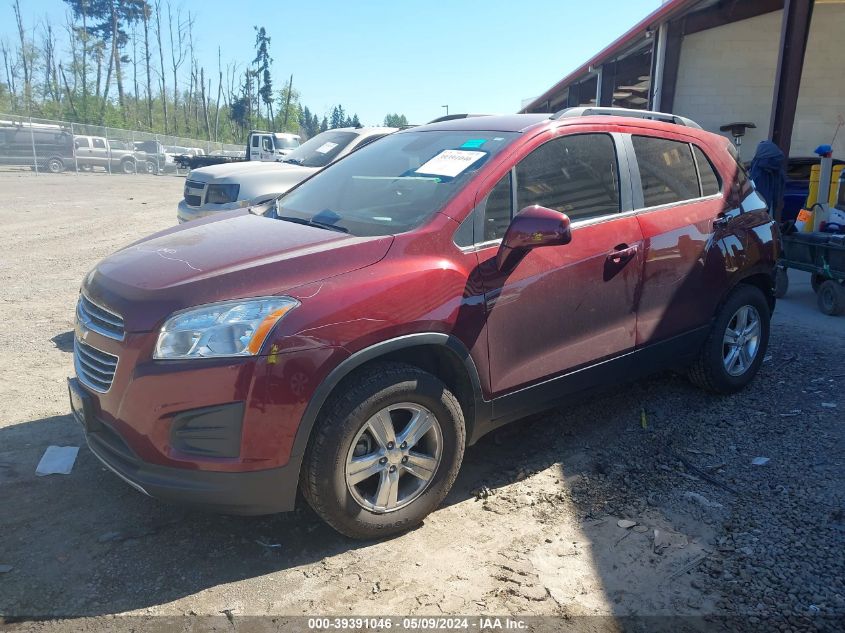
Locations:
{"points": [[55, 165], [709, 372], [831, 298], [781, 282], [323, 477], [816, 281], [150, 168], [127, 166]]}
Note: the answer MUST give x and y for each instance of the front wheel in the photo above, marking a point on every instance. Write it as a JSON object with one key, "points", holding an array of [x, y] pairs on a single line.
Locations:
{"points": [[127, 167], [734, 349], [385, 453]]}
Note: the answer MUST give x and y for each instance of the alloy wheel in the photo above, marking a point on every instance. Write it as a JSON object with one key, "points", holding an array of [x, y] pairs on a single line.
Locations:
{"points": [[741, 341], [394, 457]]}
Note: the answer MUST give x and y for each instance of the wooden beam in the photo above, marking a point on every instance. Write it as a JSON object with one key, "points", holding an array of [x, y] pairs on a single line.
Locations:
{"points": [[795, 29], [671, 64], [728, 11]]}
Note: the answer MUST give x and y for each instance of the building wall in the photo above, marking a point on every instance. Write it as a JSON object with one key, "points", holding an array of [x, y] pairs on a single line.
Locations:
{"points": [[727, 74], [822, 95]]}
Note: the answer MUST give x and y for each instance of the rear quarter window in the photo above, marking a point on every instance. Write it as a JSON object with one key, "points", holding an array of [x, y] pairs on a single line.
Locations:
{"points": [[711, 184]]}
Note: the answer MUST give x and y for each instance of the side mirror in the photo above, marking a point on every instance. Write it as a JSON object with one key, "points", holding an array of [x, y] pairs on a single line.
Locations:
{"points": [[532, 227]]}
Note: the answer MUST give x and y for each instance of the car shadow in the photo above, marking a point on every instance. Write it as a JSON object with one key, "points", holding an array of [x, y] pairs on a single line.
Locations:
{"points": [[87, 544], [63, 341]]}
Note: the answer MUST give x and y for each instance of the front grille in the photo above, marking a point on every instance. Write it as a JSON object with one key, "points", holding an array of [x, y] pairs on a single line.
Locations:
{"points": [[193, 192], [97, 318], [94, 368]]}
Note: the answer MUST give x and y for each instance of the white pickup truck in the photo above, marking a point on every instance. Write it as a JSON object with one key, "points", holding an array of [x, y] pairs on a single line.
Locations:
{"points": [[260, 147], [245, 184]]}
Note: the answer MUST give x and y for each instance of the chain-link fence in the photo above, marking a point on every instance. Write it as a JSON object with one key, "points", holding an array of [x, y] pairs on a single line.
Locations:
{"points": [[44, 146]]}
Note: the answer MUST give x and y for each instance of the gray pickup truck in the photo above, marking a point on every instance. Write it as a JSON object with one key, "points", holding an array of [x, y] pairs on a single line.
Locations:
{"points": [[110, 155]]}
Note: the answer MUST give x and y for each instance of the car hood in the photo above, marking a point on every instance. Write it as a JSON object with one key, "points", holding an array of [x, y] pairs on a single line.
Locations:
{"points": [[235, 172], [255, 179], [230, 256]]}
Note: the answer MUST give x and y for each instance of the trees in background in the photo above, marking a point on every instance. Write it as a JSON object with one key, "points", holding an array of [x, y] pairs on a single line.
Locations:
{"points": [[395, 120], [132, 63]]}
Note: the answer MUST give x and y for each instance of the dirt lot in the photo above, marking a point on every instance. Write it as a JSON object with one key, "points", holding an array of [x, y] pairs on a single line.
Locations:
{"points": [[531, 528]]}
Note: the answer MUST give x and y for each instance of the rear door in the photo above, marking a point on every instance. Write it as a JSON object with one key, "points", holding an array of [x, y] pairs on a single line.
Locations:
{"points": [[568, 306], [678, 194], [99, 152]]}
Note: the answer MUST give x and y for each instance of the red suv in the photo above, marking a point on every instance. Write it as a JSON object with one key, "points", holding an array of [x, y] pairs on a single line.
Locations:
{"points": [[403, 302]]}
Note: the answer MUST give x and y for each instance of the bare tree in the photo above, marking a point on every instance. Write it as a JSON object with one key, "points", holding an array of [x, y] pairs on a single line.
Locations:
{"points": [[204, 102], [135, 72], [11, 71], [146, 19], [51, 81], [161, 60], [219, 92], [25, 56], [177, 58]]}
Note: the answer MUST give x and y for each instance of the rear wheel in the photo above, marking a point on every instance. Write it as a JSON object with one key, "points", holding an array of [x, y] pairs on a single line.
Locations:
{"points": [[385, 453], [55, 166], [127, 166], [734, 349], [831, 298]]}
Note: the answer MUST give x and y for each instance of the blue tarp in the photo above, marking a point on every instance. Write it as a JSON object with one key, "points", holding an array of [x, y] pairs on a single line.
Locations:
{"points": [[768, 174]]}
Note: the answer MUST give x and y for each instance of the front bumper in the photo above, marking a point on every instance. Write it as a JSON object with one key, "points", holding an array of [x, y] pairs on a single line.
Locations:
{"points": [[185, 213], [247, 493]]}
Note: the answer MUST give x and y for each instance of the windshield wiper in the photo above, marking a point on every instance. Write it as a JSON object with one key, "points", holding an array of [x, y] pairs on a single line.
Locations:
{"points": [[313, 222], [295, 161]]}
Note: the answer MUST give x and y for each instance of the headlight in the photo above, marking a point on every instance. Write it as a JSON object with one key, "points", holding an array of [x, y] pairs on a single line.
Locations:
{"points": [[221, 194], [229, 328]]}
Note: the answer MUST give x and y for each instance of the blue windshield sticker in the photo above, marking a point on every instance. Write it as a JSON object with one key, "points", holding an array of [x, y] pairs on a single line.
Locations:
{"points": [[473, 143]]}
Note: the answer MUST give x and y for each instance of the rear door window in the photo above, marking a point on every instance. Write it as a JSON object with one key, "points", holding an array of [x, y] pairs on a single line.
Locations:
{"points": [[667, 171], [577, 175]]}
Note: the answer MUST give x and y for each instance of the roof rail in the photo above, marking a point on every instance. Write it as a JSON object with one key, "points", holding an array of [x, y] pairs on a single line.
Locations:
{"points": [[639, 114]]}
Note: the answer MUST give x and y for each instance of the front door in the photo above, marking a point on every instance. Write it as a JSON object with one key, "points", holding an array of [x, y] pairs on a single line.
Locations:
{"points": [[562, 307]]}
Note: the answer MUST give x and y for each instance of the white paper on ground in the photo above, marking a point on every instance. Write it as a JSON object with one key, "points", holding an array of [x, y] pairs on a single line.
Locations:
{"points": [[57, 460], [450, 163]]}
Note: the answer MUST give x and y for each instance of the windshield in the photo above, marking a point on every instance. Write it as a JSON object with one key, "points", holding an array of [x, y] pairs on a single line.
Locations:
{"points": [[322, 149], [394, 185], [285, 142]]}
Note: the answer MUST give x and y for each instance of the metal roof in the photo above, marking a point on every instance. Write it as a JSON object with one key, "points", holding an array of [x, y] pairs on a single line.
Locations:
{"points": [[668, 10]]}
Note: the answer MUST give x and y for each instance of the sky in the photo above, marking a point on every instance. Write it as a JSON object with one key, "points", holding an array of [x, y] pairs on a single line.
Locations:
{"points": [[378, 57]]}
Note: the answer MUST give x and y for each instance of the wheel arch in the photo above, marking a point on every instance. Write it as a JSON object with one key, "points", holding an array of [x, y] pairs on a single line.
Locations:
{"points": [[440, 354], [760, 277]]}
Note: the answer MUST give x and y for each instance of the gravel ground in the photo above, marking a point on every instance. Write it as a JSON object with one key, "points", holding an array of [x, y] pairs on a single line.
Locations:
{"points": [[639, 501]]}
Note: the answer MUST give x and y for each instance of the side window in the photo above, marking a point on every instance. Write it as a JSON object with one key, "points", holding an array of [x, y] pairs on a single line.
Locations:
{"points": [[576, 175], [255, 142], [266, 144], [496, 210], [82, 142], [667, 170], [711, 184], [99, 143]]}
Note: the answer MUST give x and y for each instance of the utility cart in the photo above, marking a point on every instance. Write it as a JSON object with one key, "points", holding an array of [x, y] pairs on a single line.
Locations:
{"points": [[823, 256]]}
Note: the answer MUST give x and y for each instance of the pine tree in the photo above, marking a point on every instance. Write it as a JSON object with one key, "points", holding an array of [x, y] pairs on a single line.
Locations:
{"points": [[263, 61]]}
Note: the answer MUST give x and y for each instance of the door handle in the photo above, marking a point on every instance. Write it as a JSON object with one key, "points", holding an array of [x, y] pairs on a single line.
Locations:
{"points": [[622, 254]]}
